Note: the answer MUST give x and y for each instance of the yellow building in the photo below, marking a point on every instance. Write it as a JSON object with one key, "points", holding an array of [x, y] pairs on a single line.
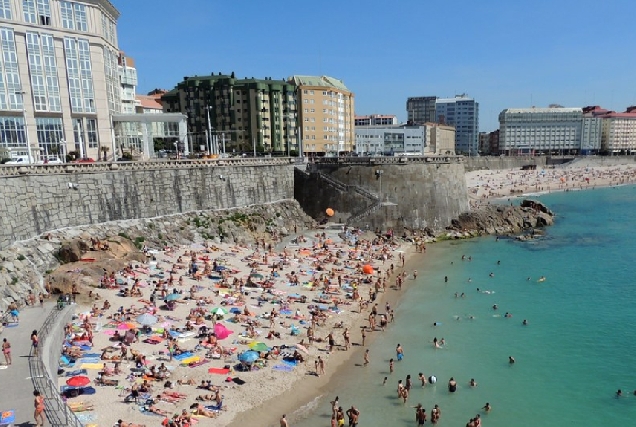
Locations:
{"points": [[326, 115]]}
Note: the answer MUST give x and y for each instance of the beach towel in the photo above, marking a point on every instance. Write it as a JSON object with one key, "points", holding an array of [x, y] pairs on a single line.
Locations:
{"points": [[183, 356], [92, 355], [86, 417], [198, 363], [219, 371], [290, 362], [97, 366], [189, 360], [76, 373], [89, 360], [283, 368]]}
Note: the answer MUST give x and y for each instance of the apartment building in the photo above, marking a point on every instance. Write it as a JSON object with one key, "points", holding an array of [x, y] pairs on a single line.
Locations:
{"points": [[242, 114], [59, 80], [394, 140], [618, 133], [461, 112], [421, 109], [548, 130], [326, 115], [376, 120]]}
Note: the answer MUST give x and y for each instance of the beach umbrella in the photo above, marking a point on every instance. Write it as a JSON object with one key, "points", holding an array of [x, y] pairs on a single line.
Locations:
{"points": [[173, 297], [78, 381], [146, 319], [235, 310], [257, 275], [125, 326], [330, 212], [258, 346], [7, 417], [221, 332], [249, 357], [219, 310], [367, 269]]}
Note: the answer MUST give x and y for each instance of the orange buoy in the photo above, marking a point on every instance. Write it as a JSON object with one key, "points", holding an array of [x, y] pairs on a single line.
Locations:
{"points": [[367, 269]]}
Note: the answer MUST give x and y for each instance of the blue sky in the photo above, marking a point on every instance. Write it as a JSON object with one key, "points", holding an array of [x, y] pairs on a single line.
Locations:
{"points": [[512, 54]]}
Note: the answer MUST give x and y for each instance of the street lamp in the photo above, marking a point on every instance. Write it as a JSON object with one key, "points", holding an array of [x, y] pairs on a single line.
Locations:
{"points": [[26, 128]]}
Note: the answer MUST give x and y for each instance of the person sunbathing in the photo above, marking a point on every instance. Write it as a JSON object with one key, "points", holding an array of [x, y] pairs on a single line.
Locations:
{"points": [[200, 410], [154, 409], [121, 423]]}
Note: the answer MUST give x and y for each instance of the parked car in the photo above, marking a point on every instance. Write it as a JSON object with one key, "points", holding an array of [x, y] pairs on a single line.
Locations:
{"points": [[84, 160], [20, 160], [50, 160]]}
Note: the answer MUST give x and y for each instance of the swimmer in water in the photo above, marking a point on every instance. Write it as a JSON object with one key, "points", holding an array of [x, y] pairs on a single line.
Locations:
{"points": [[487, 407], [470, 280], [511, 360], [528, 279], [494, 307], [619, 393], [473, 383], [525, 322], [492, 274]]}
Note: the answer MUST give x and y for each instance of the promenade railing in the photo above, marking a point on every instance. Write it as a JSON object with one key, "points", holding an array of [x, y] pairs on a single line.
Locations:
{"points": [[50, 339]]}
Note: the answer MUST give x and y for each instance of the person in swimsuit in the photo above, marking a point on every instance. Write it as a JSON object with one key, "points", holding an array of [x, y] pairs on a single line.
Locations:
{"points": [[34, 341], [6, 350], [452, 385], [39, 408]]}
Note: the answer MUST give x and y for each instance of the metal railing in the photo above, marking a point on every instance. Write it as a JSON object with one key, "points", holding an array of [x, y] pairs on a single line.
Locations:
{"points": [[57, 412], [386, 160], [96, 167]]}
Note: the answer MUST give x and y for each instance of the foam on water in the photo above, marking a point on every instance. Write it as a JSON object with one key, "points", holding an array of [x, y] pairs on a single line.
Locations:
{"points": [[571, 357]]}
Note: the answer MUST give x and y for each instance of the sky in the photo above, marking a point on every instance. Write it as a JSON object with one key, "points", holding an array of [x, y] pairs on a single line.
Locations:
{"points": [[504, 54]]}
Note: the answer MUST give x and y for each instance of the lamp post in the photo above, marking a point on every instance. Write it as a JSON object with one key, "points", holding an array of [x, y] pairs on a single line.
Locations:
{"points": [[211, 147], [26, 128]]}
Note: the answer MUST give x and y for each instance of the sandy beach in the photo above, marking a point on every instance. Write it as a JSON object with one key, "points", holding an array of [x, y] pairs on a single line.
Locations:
{"points": [[312, 284], [485, 185], [318, 282]]}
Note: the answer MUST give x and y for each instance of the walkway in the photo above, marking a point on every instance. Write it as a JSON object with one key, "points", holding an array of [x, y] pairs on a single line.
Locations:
{"points": [[17, 389]]}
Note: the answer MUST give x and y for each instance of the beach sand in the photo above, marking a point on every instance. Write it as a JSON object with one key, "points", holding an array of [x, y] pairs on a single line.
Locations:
{"points": [[270, 388], [485, 185]]}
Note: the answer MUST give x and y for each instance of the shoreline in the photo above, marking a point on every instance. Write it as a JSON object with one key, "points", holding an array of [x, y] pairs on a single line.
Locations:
{"points": [[301, 402]]}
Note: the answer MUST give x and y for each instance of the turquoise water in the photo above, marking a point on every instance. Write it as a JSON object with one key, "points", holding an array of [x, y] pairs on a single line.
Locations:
{"points": [[576, 351]]}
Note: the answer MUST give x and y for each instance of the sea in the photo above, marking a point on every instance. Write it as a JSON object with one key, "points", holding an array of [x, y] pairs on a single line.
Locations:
{"points": [[577, 349]]}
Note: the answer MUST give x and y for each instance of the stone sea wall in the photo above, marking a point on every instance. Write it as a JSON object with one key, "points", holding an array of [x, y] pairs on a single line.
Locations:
{"points": [[34, 200]]}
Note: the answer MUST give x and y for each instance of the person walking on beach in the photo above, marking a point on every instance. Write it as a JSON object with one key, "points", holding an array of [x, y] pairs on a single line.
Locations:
{"points": [[321, 366], [366, 357], [38, 402], [353, 415], [6, 350], [34, 342], [283, 421], [364, 335], [347, 338], [399, 351]]}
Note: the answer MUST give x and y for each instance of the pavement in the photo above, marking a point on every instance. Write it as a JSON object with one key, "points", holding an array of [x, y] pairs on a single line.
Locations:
{"points": [[16, 388]]}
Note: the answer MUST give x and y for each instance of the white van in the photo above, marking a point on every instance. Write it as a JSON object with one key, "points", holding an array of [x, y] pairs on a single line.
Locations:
{"points": [[20, 160]]}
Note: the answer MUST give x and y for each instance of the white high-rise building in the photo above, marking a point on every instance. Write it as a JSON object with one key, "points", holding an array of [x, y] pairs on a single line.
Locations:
{"points": [[547, 130], [463, 113], [59, 82]]}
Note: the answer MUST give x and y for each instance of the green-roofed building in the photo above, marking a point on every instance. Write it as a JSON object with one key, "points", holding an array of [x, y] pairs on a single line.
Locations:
{"points": [[326, 115], [242, 113]]}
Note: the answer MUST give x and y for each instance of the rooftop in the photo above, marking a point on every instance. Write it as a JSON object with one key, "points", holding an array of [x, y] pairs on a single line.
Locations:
{"points": [[319, 81], [150, 101], [542, 110]]}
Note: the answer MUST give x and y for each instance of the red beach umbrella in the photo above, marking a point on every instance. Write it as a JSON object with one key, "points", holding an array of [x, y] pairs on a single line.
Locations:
{"points": [[78, 381], [367, 269]]}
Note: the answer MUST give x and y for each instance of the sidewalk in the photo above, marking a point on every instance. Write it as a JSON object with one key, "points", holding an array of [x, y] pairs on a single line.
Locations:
{"points": [[16, 392]]}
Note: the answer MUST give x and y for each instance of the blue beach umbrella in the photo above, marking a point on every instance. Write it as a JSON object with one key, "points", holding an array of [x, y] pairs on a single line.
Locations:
{"points": [[235, 310], [249, 357], [146, 319], [173, 297]]}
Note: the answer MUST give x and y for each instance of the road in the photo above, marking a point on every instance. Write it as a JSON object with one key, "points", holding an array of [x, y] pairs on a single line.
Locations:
{"points": [[16, 388]]}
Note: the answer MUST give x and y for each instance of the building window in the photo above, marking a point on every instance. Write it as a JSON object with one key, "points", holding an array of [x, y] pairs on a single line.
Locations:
{"points": [[80, 75], [37, 11], [42, 67], [12, 132], [91, 133], [50, 135], [5, 9], [10, 87]]}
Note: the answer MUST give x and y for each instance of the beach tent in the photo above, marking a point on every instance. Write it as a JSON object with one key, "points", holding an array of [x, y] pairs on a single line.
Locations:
{"points": [[172, 297], [219, 310], [249, 357], [258, 346], [221, 332]]}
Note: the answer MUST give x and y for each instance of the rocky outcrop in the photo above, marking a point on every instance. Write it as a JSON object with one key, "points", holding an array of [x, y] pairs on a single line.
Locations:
{"points": [[501, 220], [24, 265]]}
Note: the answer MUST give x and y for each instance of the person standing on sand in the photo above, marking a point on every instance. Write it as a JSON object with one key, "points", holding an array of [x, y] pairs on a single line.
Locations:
{"points": [[347, 338], [38, 402], [283, 421], [6, 350], [364, 335], [321, 366], [399, 351], [366, 357]]}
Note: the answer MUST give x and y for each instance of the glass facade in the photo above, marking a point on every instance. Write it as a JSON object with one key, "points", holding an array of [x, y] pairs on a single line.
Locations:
{"points": [[45, 86], [10, 88], [5, 9], [12, 132], [80, 76], [50, 133], [73, 16], [37, 12]]}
